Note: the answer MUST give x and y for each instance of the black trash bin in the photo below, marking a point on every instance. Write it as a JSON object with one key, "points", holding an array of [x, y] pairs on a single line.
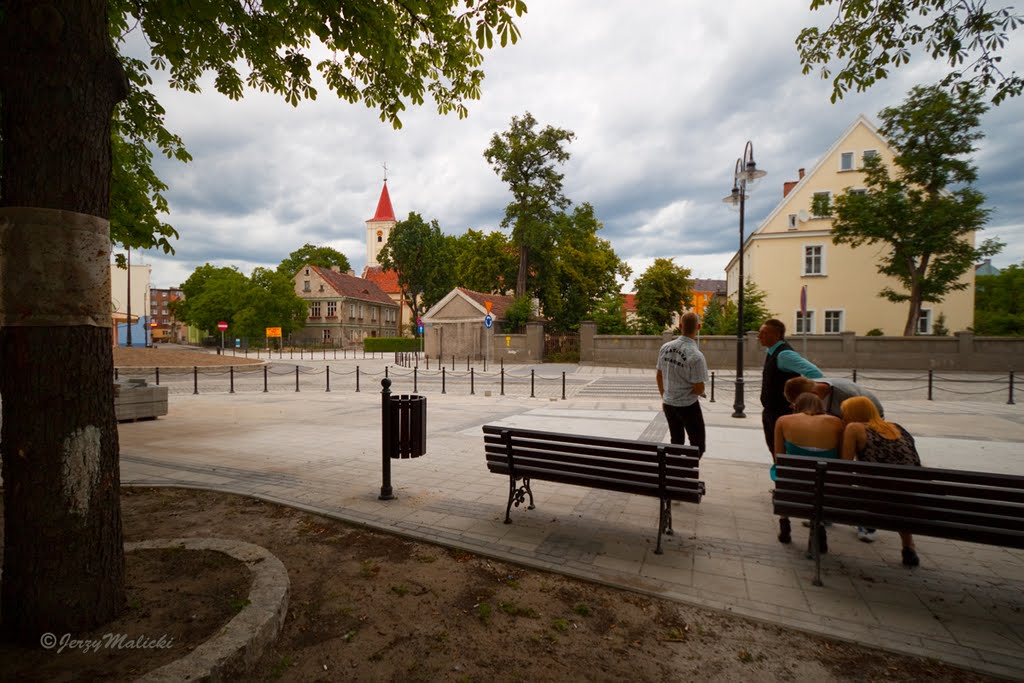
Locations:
{"points": [[407, 428]]}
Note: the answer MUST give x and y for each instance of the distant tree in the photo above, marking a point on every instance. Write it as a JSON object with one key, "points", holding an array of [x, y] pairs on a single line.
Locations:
{"points": [[579, 270], [922, 224], [211, 294], [721, 318], [270, 301], [314, 255], [422, 256], [663, 290], [609, 314], [519, 313], [999, 303], [526, 159], [876, 36], [485, 262]]}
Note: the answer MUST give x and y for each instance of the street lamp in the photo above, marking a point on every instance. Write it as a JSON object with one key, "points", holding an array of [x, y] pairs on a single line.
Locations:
{"points": [[745, 171]]}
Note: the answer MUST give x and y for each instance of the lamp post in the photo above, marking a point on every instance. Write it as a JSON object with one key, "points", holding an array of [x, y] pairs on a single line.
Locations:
{"points": [[128, 330], [745, 171]]}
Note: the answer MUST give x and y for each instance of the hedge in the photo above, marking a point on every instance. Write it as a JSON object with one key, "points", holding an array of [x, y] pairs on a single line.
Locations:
{"points": [[391, 344]]}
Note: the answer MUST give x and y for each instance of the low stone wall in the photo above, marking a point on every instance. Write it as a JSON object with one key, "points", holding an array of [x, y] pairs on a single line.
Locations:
{"points": [[962, 351], [134, 400]]}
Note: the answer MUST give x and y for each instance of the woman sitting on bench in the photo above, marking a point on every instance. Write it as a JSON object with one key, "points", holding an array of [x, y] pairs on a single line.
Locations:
{"points": [[807, 431], [869, 438]]}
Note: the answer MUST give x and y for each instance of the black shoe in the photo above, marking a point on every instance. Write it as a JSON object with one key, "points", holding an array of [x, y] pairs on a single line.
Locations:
{"points": [[784, 531], [910, 558]]}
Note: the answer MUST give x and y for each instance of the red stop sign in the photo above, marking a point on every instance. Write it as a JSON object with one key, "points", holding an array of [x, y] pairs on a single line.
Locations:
{"points": [[222, 326]]}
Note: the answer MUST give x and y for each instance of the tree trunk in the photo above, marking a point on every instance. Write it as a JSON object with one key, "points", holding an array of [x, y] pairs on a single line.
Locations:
{"points": [[521, 276], [63, 566]]}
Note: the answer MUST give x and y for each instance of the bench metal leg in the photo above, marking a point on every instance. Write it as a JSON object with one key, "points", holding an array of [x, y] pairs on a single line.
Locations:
{"points": [[664, 521], [517, 496]]}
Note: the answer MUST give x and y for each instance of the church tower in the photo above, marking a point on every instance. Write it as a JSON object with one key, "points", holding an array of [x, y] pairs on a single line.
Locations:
{"points": [[378, 228]]}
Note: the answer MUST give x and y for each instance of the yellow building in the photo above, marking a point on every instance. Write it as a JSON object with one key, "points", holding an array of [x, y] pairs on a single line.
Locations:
{"points": [[793, 248]]}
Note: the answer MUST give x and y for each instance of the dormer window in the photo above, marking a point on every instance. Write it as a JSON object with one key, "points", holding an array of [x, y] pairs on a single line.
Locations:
{"points": [[846, 161], [305, 286], [307, 272]]}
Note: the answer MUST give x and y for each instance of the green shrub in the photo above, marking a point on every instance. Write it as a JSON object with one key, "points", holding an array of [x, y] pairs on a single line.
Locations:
{"points": [[386, 344], [875, 332]]}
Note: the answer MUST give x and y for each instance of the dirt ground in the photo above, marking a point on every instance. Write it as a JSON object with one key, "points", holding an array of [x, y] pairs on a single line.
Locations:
{"points": [[173, 356], [367, 606]]}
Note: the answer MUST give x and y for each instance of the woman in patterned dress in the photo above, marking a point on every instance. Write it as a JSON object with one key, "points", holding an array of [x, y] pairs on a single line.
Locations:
{"points": [[869, 438]]}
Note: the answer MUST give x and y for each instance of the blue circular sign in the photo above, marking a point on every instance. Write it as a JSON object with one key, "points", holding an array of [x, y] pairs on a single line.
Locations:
{"points": [[488, 320]]}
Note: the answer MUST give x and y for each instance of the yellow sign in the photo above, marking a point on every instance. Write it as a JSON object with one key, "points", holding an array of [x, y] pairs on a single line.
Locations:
{"points": [[508, 341], [273, 331], [487, 305]]}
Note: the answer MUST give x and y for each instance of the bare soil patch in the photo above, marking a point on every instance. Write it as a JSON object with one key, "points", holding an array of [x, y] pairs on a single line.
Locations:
{"points": [[368, 606], [163, 357]]}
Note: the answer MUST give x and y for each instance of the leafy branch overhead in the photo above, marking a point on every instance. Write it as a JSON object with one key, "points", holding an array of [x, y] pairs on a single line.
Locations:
{"points": [[869, 38]]}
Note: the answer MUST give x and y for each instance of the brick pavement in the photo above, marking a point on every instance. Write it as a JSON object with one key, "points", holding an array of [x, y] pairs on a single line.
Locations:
{"points": [[321, 452]]}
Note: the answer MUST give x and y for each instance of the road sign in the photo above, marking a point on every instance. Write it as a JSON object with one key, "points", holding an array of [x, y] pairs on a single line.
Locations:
{"points": [[488, 320], [487, 305], [273, 331], [222, 326], [419, 321], [419, 329]]}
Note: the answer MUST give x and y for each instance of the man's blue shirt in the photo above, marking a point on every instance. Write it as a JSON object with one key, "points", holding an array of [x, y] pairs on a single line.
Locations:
{"points": [[791, 361]]}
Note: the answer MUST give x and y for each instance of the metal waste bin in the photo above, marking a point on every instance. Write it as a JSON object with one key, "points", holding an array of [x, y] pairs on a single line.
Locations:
{"points": [[403, 431]]}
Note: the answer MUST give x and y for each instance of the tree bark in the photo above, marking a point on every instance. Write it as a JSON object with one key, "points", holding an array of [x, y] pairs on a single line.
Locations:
{"points": [[521, 276], [63, 566]]}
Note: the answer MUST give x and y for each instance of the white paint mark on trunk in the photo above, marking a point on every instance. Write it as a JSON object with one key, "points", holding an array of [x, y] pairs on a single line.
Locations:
{"points": [[80, 465]]}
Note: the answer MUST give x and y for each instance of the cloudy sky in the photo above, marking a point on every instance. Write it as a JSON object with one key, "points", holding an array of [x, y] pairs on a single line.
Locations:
{"points": [[662, 97]]}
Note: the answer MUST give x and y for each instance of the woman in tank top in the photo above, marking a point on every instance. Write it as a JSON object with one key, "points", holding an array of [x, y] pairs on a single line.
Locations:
{"points": [[809, 430]]}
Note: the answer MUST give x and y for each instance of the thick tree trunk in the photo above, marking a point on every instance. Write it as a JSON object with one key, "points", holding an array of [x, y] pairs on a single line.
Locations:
{"points": [[521, 276], [63, 568]]}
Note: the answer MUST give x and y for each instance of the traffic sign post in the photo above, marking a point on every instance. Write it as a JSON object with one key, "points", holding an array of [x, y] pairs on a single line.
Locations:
{"points": [[803, 315], [222, 326]]}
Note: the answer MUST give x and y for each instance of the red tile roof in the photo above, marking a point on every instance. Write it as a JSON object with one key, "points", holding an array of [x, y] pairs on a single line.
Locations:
{"points": [[629, 303], [353, 287], [499, 303], [384, 210], [387, 280]]}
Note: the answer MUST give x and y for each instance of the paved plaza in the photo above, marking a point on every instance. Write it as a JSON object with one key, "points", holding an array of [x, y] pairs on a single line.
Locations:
{"points": [[321, 451]]}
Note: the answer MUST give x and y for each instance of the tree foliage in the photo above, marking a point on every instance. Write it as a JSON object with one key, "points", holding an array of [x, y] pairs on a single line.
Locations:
{"points": [[421, 255], [485, 262], [871, 37], [721, 318], [519, 313], [999, 303], [662, 291], [925, 227], [527, 160], [248, 305], [609, 314], [325, 257]]}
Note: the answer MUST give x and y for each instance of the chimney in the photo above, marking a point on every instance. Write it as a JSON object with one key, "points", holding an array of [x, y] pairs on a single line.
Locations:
{"points": [[350, 272], [336, 269], [788, 186]]}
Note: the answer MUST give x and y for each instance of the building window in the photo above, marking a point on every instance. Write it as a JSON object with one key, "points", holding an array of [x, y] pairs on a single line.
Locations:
{"points": [[305, 286], [833, 322], [924, 321], [805, 324], [814, 260], [869, 154], [351, 311], [327, 335], [373, 313], [792, 221], [846, 161], [360, 311], [314, 309], [858, 191], [332, 309], [821, 205]]}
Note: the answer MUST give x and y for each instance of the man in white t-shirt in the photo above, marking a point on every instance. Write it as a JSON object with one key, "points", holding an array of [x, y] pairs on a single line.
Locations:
{"points": [[682, 372]]}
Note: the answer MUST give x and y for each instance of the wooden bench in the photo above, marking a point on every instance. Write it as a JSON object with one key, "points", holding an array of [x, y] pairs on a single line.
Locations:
{"points": [[978, 507], [664, 471]]}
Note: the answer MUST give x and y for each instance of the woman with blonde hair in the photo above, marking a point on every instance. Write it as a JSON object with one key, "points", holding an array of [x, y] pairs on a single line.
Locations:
{"points": [[808, 430], [869, 438]]}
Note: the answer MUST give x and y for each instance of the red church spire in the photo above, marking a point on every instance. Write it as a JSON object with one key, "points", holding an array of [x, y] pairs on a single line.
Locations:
{"points": [[384, 210]]}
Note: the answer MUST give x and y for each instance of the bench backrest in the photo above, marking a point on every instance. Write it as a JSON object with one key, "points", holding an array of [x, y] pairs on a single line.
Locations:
{"points": [[642, 467], [969, 506]]}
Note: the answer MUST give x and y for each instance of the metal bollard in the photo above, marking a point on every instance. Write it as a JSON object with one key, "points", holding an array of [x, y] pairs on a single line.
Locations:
{"points": [[531, 383], [453, 362], [385, 371], [157, 376], [503, 381], [930, 384], [855, 374], [471, 383], [231, 374], [264, 379], [415, 382], [1010, 400], [563, 385], [386, 436], [115, 373], [712, 386], [328, 378], [296, 378], [442, 380], [357, 379], [195, 380]]}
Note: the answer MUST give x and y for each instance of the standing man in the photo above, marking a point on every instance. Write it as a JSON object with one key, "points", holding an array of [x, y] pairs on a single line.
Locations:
{"points": [[781, 365], [682, 372]]}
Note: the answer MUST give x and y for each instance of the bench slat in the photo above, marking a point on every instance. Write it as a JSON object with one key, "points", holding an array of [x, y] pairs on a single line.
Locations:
{"points": [[683, 490], [674, 465], [611, 450], [584, 469], [800, 462], [570, 440]]}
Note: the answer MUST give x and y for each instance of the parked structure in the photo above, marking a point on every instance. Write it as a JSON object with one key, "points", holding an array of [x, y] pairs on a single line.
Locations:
{"points": [[793, 248], [343, 309]]}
